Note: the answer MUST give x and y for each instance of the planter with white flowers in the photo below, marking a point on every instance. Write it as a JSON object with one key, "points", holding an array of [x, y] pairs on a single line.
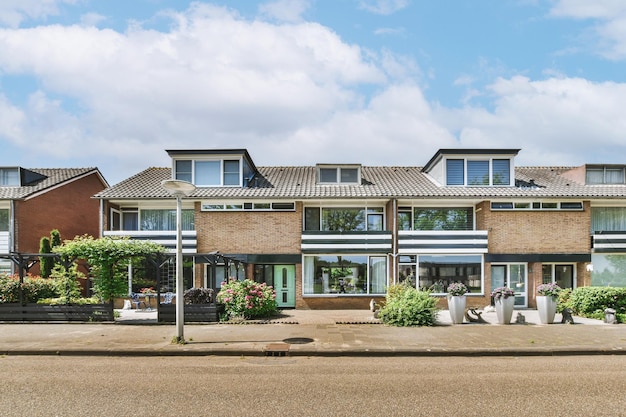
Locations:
{"points": [[547, 297], [457, 301], [504, 300]]}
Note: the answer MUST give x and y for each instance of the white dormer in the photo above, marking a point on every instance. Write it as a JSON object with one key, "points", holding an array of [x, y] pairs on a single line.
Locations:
{"points": [[338, 174], [473, 167], [213, 168]]}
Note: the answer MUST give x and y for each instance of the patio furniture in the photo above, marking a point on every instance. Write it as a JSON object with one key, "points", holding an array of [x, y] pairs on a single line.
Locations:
{"points": [[134, 298]]}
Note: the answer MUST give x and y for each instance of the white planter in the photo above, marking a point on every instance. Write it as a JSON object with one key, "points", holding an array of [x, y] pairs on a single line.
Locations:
{"points": [[504, 309], [546, 307], [456, 306]]}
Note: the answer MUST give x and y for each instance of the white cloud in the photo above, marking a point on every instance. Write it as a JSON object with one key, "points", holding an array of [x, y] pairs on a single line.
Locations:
{"points": [[555, 121], [383, 7], [285, 10], [14, 12], [609, 31]]}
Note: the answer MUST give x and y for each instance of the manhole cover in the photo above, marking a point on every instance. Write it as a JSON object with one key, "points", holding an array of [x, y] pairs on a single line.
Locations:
{"points": [[298, 340]]}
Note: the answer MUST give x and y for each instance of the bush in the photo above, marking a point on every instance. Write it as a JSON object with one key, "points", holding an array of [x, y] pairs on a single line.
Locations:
{"points": [[198, 296], [247, 299], [33, 288], [592, 301], [406, 306]]}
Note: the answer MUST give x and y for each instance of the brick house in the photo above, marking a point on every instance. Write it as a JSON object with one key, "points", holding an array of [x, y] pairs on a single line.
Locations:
{"points": [[337, 235], [33, 202]]}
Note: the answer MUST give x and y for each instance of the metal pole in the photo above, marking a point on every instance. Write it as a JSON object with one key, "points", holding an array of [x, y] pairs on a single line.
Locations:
{"points": [[180, 303]]}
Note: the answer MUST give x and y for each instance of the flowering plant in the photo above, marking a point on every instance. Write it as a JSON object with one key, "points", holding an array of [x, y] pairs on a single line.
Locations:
{"points": [[247, 299], [502, 292], [147, 290], [549, 290], [456, 289]]}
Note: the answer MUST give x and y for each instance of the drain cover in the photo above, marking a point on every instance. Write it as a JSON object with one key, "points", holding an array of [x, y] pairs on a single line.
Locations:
{"points": [[298, 340]]}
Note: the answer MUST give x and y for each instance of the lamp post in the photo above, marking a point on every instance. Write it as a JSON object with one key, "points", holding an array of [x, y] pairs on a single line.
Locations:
{"points": [[179, 189]]}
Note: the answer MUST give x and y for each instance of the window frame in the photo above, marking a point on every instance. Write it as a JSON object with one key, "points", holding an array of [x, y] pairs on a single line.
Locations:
{"points": [[220, 177], [461, 171]]}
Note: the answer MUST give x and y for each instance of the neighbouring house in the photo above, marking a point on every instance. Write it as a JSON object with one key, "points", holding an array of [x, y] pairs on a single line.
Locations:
{"points": [[337, 235], [33, 202]]}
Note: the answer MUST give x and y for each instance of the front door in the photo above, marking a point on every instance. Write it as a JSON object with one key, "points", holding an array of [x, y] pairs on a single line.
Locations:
{"points": [[285, 285], [512, 276]]}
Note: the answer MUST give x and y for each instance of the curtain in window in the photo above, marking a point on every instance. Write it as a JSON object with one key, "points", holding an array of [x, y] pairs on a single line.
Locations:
{"points": [[166, 220], [378, 277], [608, 219], [309, 274]]}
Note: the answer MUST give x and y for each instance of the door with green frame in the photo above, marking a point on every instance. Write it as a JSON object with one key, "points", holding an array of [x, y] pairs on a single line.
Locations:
{"points": [[285, 285]]}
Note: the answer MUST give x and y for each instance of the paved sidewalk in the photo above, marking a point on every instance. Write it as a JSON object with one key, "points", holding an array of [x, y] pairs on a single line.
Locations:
{"points": [[315, 333]]}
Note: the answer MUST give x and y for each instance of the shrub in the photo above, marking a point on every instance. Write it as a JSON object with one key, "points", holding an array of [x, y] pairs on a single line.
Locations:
{"points": [[247, 299], [592, 301], [563, 300], [33, 288], [198, 296], [406, 306]]}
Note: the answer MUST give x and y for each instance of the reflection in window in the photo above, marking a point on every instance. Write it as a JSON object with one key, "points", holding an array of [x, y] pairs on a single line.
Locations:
{"points": [[166, 220], [350, 275], [437, 272]]}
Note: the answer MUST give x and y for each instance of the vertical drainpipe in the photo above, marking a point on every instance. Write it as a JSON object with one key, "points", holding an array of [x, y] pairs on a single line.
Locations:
{"points": [[394, 239], [101, 218], [12, 232]]}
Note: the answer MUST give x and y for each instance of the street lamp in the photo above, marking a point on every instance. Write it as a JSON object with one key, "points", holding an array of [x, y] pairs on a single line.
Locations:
{"points": [[179, 189]]}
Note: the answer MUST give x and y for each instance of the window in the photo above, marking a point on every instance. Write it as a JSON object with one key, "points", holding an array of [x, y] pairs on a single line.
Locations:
{"points": [[478, 172], [437, 272], [562, 275], [405, 218], [248, 206], [344, 219], [512, 276], [605, 175], [443, 218], [209, 173], [608, 219], [345, 275], [537, 205], [130, 220], [4, 220], [608, 270], [338, 175], [165, 220], [9, 177]]}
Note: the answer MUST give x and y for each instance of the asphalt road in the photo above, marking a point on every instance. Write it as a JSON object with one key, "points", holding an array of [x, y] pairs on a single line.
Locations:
{"points": [[313, 386]]}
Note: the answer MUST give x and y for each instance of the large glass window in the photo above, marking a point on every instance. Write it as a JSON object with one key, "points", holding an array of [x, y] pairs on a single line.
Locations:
{"points": [[512, 276], [4, 220], [9, 176], [605, 175], [609, 270], [437, 272], [165, 219], [350, 275], [562, 275], [485, 172], [443, 218], [344, 219], [608, 219], [207, 173], [478, 172]]}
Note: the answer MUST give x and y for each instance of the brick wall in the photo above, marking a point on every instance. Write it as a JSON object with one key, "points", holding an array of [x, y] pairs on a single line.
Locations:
{"points": [[536, 231], [252, 232], [68, 208]]}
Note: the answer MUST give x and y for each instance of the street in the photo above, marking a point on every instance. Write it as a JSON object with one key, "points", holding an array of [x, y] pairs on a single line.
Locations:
{"points": [[313, 386]]}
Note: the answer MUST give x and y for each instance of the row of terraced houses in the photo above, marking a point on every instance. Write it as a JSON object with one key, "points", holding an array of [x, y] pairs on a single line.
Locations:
{"points": [[337, 235]]}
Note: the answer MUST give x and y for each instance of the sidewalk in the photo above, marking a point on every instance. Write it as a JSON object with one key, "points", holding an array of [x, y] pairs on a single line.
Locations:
{"points": [[315, 333]]}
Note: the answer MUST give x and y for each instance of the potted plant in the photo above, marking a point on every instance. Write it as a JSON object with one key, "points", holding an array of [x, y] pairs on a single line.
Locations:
{"points": [[504, 300], [456, 301], [547, 302]]}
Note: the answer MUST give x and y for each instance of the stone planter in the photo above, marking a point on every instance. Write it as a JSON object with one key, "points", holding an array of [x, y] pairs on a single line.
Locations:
{"points": [[504, 309], [456, 306], [546, 307]]}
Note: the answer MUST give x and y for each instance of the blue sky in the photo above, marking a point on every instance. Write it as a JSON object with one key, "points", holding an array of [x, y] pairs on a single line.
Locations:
{"points": [[113, 83]]}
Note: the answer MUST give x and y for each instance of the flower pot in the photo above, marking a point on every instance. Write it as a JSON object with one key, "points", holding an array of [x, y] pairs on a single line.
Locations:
{"points": [[504, 309], [546, 307], [456, 306]]}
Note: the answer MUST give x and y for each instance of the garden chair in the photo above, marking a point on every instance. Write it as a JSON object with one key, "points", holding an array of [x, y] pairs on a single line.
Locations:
{"points": [[134, 298]]}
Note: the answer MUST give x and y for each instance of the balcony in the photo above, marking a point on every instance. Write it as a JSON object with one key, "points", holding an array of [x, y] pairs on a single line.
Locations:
{"points": [[442, 241], [166, 238], [346, 242], [608, 242]]}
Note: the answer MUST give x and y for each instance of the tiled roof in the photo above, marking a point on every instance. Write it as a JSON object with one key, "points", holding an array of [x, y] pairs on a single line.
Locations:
{"points": [[299, 182], [54, 177]]}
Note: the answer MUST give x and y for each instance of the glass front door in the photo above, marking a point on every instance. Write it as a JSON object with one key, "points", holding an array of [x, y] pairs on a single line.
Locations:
{"points": [[285, 285], [514, 277]]}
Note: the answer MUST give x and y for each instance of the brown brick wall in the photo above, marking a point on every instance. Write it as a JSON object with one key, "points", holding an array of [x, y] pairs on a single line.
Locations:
{"points": [[249, 232], [68, 208], [536, 231]]}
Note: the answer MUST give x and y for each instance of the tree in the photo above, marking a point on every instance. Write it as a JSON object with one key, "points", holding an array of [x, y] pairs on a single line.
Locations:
{"points": [[104, 256], [46, 263]]}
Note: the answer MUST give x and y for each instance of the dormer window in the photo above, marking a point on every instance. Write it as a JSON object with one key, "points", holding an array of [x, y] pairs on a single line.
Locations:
{"points": [[473, 167], [213, 168], [9, 177], [605, 175], [334, 174]]}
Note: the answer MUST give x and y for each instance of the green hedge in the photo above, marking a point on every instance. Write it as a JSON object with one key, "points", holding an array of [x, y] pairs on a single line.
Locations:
{"points": [[592, 301], [33, 289]]}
